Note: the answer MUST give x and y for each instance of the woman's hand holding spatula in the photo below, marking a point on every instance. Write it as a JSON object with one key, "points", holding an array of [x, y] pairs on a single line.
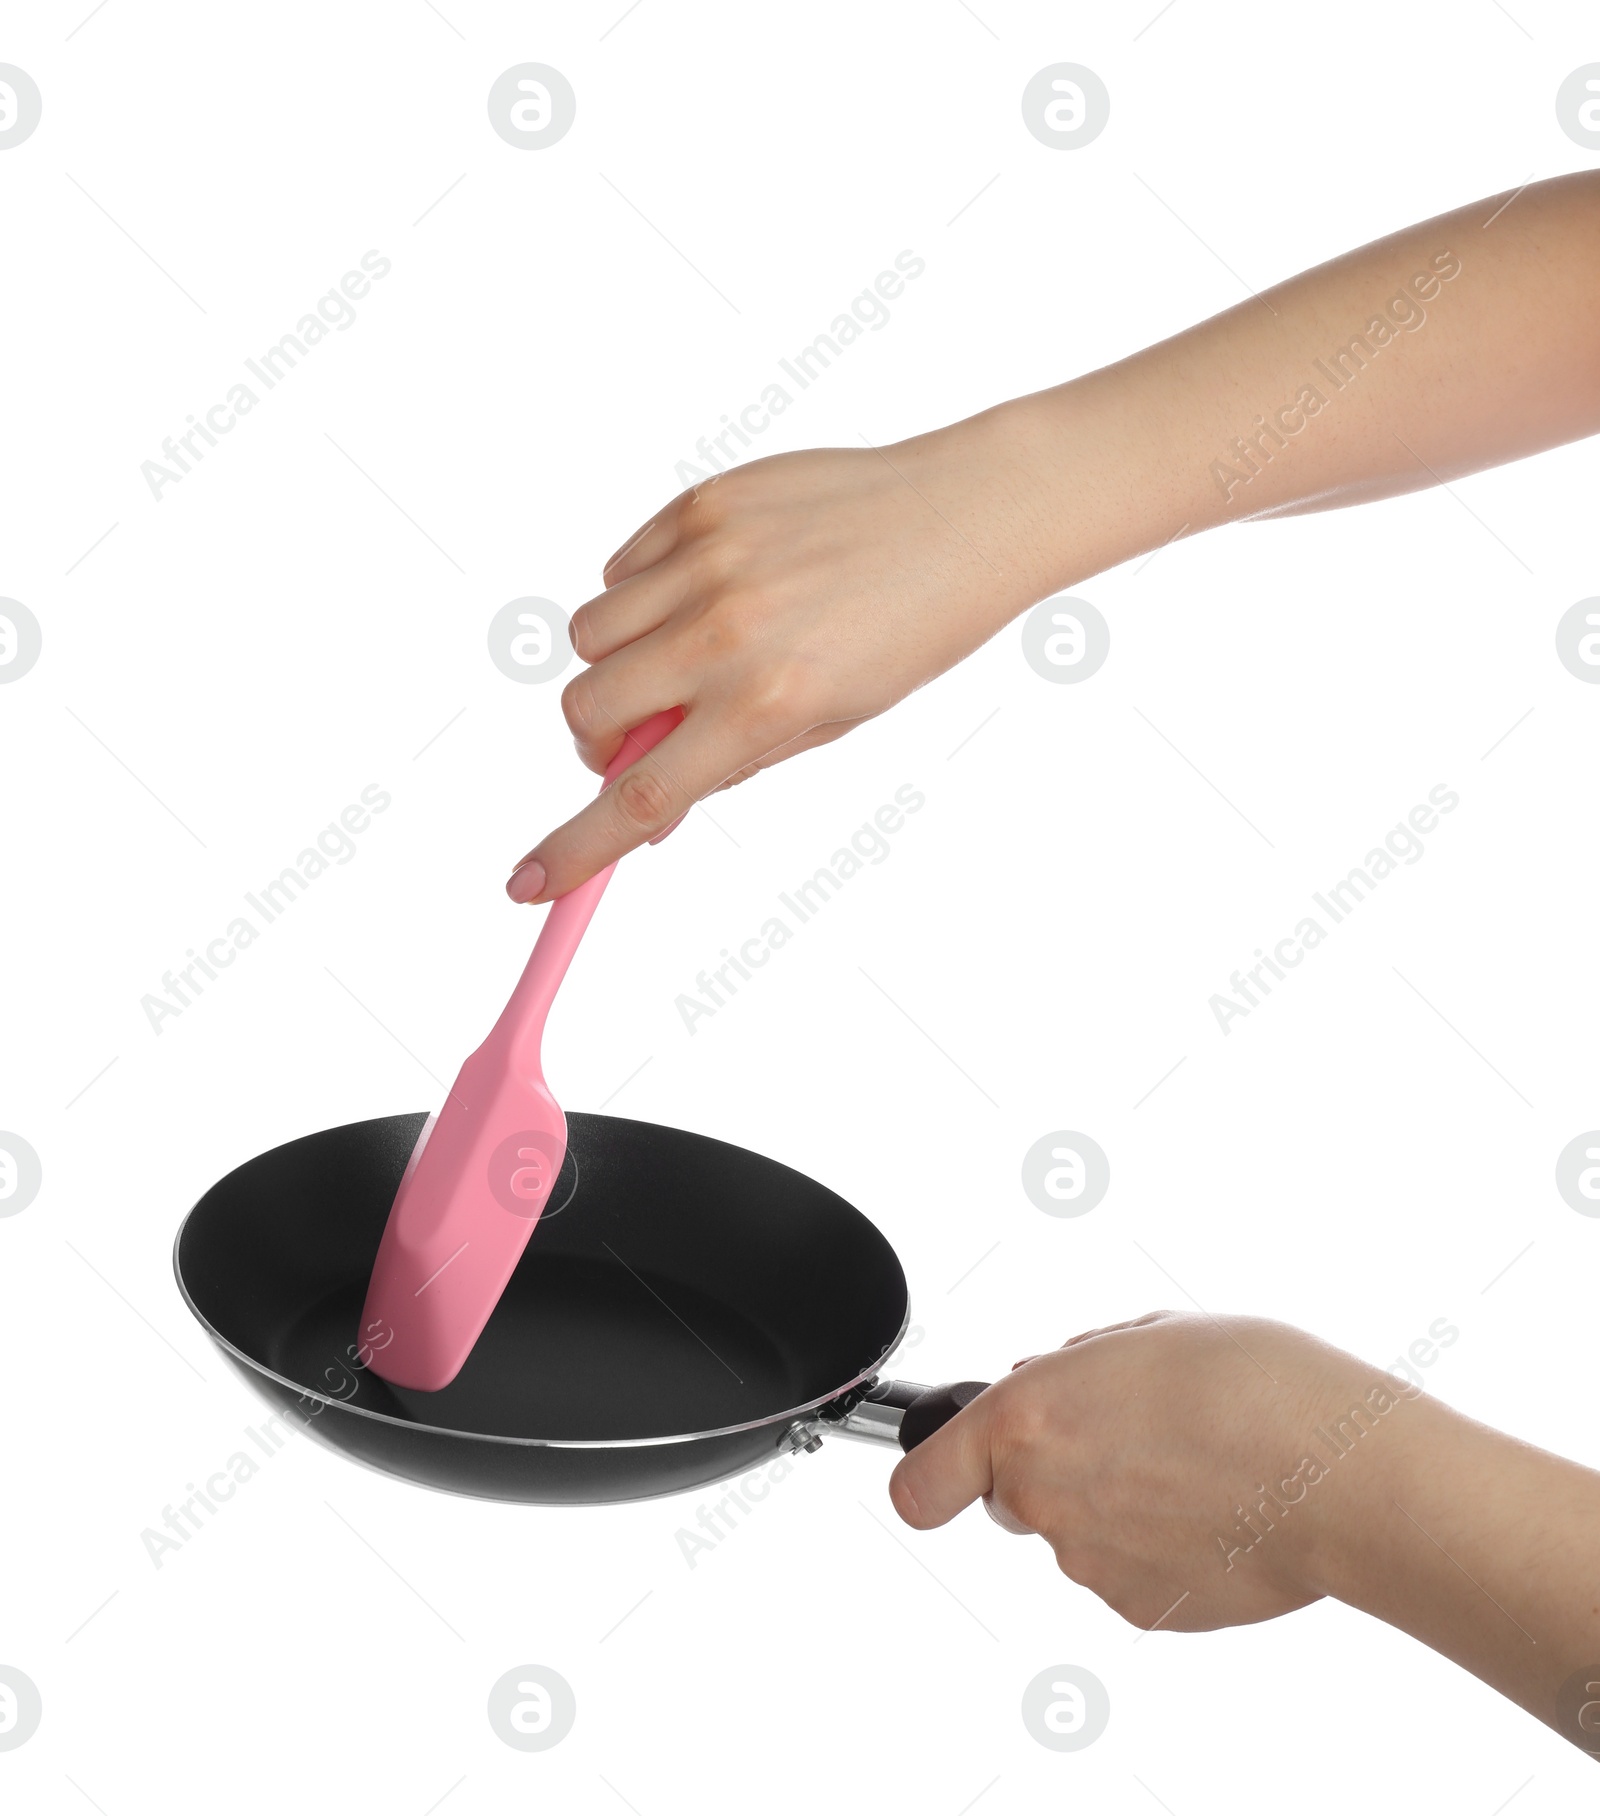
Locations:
{"points": [[784, 602]]}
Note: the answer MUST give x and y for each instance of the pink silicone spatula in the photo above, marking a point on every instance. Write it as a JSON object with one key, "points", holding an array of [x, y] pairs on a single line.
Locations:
{"points": [[482, 1169]]}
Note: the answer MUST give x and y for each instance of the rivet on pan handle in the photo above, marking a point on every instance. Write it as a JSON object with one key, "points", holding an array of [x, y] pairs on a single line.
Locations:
{"points": [[896, 1412]]}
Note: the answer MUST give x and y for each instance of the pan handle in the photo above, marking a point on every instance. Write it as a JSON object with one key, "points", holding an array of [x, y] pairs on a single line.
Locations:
{"points": [[896, 1412]]}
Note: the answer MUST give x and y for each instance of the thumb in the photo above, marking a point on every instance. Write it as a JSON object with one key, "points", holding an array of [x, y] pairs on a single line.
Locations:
{"points": [[948, 1471]]}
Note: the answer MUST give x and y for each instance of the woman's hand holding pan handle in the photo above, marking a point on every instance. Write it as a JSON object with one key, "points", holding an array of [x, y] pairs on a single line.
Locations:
{"points": [[1199, 1472]]}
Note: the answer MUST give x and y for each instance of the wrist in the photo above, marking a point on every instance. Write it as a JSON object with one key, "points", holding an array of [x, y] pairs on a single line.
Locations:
{"points": [[1372, 1473], [990, 480], [1075, 480]]}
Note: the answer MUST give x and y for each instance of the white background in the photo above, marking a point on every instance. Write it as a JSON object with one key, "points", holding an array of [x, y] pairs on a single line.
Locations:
{"points": [[274, 634]]}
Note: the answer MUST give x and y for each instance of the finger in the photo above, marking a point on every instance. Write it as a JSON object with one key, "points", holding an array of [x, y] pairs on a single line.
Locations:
{"points": [[819, 734], [1106, 1330], [629, 609], [950, 1470], [1007, 1522], [647, 545], [1025, 1361], [642, 802], [605, 701]]}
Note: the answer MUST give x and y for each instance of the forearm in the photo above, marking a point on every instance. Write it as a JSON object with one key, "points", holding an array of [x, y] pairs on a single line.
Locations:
{"points": [[1448, 347], [1486, 1549]]}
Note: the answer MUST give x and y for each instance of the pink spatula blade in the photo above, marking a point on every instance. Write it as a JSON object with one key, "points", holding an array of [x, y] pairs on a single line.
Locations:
{"points": [[482, 1171]]}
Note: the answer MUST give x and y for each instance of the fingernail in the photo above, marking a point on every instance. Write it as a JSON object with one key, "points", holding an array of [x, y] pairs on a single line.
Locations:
{"points": [[527, 881]]}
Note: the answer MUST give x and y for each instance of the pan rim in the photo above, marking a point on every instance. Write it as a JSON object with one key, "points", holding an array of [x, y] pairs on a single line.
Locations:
{"points": [[486, 1437]]}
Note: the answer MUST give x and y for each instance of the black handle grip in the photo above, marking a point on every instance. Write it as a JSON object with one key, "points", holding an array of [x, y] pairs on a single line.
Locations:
{"points": [[936, 1406]]}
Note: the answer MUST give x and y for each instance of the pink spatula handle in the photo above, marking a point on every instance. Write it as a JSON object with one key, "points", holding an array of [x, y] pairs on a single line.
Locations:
{"points": [[521, 1023]]}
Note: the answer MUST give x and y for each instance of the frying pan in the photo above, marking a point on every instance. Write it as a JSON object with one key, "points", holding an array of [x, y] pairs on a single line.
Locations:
{"points": [[685, 1311]]}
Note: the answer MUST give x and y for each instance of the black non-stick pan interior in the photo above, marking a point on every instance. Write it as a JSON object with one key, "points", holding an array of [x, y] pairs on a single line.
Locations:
{"points": [[684, 1289]]}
